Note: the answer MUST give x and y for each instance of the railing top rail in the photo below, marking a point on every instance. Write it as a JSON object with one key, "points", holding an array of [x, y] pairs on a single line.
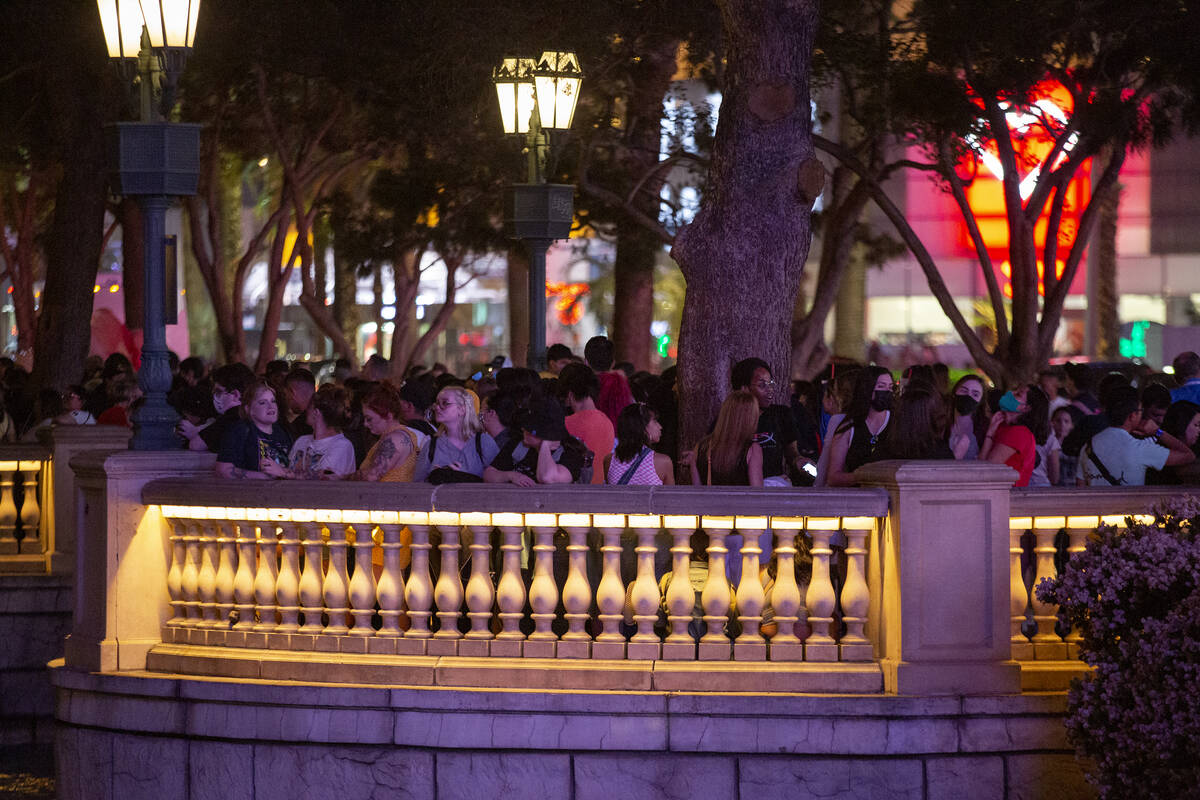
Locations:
{"points": [[1096, 501], [24, 452], [502, 498]]}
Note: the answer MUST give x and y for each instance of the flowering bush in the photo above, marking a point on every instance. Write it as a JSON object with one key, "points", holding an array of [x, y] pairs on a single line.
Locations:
{"points": [[1134, 595]]}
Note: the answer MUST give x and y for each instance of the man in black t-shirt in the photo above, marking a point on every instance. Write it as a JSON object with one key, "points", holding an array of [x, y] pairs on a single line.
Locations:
{"points": [[546, 453]]}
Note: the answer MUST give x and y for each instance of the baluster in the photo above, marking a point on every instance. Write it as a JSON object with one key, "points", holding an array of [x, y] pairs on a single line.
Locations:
{"points": [[390, 590], [264, 581], [30, 512], [311, 577], [287, 582], [610, 594], [1021, 647], [681, 596], [645, 597], [226, 556], [8, 513], [418, 591], [480, 591], [207, 577], [785, 596], [543, 592], [750, 645], [362, 584], [1078, 531], [337, 579], [243, 579], [448, 592], [856, 597], [189, 579], [510, 593], [1047, 644], [577, 591], [716, 598], [820, 599], [175, 574]]}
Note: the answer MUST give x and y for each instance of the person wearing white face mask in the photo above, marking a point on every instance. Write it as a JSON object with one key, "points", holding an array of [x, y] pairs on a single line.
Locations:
{"points": [[229, 383]]}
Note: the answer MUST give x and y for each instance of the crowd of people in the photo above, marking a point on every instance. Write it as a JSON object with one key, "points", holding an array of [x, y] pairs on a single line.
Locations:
{"points": [[588, 420]]}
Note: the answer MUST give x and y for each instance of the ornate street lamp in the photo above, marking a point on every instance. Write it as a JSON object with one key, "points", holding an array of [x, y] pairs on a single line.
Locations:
{"points": [[153, 160], [538, 97]]}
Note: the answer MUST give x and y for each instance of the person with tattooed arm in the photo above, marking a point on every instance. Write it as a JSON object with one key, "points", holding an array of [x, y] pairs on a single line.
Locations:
{"points": [[394, 457]]}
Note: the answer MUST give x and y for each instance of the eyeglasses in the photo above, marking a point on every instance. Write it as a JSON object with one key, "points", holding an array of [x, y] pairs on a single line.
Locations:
{"points": [[764, 384], [445, 403]]}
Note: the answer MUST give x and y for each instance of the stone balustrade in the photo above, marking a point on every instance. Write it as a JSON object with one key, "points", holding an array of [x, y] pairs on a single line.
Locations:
{"points": [[24, 530], [1046, 528]]}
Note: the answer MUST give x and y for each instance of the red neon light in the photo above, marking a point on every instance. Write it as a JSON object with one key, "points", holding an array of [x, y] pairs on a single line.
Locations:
{"points": [[985, 191], [567, 307]]}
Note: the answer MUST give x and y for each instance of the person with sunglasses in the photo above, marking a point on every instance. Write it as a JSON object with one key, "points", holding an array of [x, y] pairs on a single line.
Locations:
{"points": [[461, 449]]}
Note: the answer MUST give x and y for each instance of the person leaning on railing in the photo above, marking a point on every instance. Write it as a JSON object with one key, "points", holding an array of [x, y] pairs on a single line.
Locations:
{"points": [[632, 461], [257, 439], [394, 457], [460, 450], [545, 453], [324, 454], [729, 456]]}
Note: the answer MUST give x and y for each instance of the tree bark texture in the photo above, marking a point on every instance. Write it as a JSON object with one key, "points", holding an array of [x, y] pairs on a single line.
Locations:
{"points": [[633, 293], [518, 303], [850, 316], [743, 255], [637, 247], [1108, 324], [77, 97]]}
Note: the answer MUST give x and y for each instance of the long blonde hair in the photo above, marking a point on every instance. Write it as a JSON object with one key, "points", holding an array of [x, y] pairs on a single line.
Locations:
{"points": [[736, 425], [470, 424]]}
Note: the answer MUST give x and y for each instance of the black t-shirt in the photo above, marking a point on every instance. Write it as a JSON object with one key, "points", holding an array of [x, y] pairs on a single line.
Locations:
{"points": [[776, 431], [215, 433], [245, 444], [511, 458]]}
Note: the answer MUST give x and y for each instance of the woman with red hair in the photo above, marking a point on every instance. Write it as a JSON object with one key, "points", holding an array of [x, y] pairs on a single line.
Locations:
{"points": [[394, 457]]}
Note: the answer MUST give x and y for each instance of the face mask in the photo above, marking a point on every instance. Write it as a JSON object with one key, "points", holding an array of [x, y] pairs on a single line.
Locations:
{"points": [[964, 404], [881, 400], [1009, 402], [224, 402]]}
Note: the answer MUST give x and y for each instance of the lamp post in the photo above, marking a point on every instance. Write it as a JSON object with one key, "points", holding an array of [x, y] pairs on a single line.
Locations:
{"points": [[538, 97], [153, 160]]}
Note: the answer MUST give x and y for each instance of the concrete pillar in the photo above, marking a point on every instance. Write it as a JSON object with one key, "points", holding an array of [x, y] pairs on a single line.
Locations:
{"points": [[65, 442], [123, 553], [944, 609]]}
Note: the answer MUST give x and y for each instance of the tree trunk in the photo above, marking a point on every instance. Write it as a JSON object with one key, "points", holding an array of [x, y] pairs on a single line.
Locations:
{"points": [[76, 100], [518, 304], [345, 289], [849, 319], [633, 292], [1108, 323], [637, 247], [743, 255]]}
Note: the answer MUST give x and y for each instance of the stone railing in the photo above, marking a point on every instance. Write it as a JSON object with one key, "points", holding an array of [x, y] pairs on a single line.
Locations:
{"points": [[309, 581], [37, 497], [311, 576], [26, 534], [1046, 527]]}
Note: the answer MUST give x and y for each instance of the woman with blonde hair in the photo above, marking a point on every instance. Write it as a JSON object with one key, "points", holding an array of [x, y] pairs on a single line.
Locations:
{"points": [[461, 449], [393, 458], [729, 456]]}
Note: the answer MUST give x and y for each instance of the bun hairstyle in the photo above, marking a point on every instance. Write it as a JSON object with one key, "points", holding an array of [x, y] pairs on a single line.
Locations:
{"points": [[333, 404]]}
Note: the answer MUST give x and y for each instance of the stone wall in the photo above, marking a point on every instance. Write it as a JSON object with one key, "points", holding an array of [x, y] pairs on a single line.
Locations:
{"points": [[35, 616], [135, 736]]}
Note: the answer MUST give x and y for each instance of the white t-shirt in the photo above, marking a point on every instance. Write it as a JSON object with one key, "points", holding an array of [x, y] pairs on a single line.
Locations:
{"points": [[312, 458], [1039, 476], [1124, 456]]}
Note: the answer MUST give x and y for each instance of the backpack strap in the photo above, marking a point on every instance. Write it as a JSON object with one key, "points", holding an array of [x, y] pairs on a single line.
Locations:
{"points": [[432, 447], [627, 476], [1090, 455], [479, 446]]}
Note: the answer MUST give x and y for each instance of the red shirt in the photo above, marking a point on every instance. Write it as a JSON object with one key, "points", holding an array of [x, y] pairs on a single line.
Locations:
{"points": [[1021, 440], [117, 415], [593, 428]]}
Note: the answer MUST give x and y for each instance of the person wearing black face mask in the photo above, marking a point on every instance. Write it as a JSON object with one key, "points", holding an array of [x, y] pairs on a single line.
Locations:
{"points": [[858, 436], [967, 394]]}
